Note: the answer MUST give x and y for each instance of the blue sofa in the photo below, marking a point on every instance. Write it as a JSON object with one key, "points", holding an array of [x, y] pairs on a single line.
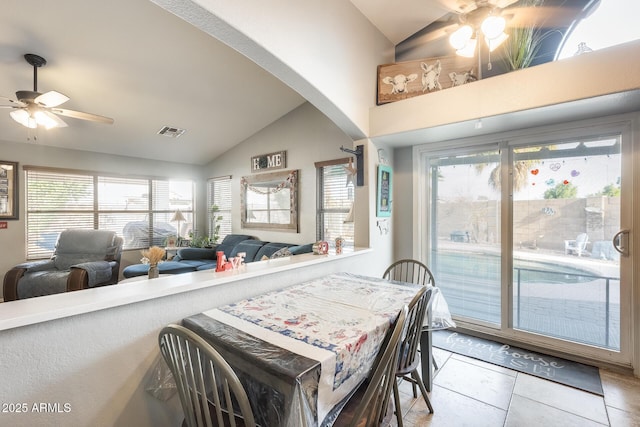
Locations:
{"points": [[196, 259]]}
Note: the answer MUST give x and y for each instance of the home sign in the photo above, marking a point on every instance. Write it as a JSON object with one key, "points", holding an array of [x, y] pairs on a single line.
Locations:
{"points": [[277, 160]]}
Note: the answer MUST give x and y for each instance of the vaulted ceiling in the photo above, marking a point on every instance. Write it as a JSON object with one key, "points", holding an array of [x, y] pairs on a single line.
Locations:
{"points": [[100, 55], [137, 63]]}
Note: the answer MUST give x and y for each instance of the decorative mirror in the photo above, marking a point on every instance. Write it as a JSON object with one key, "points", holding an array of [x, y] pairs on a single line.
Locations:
{"points": [[270, 201]]}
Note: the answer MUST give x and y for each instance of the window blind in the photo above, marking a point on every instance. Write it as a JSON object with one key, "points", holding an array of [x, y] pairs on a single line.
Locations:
{"points": [[335, 200], [219, 194], [137, 209]]}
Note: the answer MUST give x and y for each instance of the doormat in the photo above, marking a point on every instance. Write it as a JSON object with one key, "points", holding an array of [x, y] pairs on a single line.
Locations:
{"points": [[573, 374]]}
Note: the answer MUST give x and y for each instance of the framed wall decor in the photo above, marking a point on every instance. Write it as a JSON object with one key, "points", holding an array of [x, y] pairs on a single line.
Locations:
{"points": [[385, 188], [8, 190], [264, 162], [270, 201], [402, 80], [172, 241]]}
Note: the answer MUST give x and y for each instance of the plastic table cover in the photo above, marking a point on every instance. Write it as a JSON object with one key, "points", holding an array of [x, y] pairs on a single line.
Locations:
{"points": [[301, 351]]}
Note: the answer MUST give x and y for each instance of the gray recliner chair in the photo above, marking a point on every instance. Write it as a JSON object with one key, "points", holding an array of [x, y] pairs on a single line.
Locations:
{"points": [[82, 259]]}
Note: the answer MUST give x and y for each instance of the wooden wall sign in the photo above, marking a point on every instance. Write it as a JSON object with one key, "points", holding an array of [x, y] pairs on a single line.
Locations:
{"points": [[264, 162], [403, 80]]}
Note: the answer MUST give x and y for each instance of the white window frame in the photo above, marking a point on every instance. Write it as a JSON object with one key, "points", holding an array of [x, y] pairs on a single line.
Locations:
{"points": [[322, 211], [66, 216]]}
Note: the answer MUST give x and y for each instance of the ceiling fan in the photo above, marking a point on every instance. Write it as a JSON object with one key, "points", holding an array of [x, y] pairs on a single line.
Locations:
{"points": [[32, 108], [516, 13]]}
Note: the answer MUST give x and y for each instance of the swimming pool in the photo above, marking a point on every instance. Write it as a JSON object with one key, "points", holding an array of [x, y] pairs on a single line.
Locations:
{"points": [[486, 267], [549, 298]]}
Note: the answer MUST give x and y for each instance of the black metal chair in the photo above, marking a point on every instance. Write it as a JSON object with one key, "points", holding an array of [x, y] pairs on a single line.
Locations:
{"points": [[209, 390]]}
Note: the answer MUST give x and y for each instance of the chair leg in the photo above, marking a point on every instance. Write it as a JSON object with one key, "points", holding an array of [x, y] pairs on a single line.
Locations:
{"points": [[396, 401], [416, 376]]}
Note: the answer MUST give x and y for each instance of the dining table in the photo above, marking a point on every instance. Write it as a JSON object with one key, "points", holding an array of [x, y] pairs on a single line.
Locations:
{"points": [[301, 352]]}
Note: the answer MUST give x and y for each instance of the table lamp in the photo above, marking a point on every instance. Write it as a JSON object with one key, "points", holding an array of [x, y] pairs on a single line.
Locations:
{"points": [[177, 216]]}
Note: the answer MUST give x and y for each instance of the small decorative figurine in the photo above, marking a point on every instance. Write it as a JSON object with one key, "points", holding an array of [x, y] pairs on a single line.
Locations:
{"points": [[220, 261], [321, 248]]}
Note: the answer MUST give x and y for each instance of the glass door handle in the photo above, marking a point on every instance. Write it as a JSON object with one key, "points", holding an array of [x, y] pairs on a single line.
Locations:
{"points": [[621, 242]]}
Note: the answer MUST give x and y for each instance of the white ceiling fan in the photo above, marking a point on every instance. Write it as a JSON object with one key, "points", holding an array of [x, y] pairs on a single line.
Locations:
{"points": [[32, 108]]}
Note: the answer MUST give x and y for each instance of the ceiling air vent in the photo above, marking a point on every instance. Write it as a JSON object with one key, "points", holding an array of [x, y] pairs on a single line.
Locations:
{"points": [[171, 132]]}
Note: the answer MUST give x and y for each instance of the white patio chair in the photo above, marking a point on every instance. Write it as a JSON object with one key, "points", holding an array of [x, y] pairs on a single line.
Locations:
{"points": [[577, 246]]}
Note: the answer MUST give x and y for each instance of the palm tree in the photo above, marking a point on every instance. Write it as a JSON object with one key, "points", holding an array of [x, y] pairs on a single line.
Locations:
{"points": [[520, 174]]}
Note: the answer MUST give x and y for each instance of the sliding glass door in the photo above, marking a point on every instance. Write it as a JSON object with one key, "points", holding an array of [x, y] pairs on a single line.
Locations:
{"points": [[465, 244], [528, 238], [566, 213]]}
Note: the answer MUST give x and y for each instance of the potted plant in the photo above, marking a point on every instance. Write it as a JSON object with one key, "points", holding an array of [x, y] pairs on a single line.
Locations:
{"points": [[199, 241], [215, 218], [523, 44]]}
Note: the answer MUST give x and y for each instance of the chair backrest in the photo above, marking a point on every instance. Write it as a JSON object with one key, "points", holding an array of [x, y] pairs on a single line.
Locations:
{"points": [[209, 390], [410, 271], [376, 398], [407, 358], [582, 240], [75, 246]]}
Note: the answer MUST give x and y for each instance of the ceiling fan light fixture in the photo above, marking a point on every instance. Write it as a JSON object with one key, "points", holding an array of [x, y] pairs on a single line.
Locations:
{"points": [[49, 120], [23, 117], [469, 50], [461, 37], [493, 26], [494, 43], [44, 120]]}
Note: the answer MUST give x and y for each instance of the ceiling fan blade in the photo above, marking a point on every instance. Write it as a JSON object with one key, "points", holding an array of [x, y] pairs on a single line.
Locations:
{"points": [[459, 6], [501, 4], [51, 99], [541, 16], [13, 101], [435, 32], [82, 116]]}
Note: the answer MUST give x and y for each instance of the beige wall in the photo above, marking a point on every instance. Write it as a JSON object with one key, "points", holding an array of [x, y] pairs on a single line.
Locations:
{"points": [[327, 51], [307, 136]]}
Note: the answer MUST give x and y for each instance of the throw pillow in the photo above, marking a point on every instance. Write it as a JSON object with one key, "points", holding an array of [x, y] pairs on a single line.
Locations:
{"points": [[284, 252]]}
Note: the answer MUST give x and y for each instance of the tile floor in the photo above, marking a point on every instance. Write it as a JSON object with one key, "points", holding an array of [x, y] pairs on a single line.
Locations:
{"points": [[469, 392]]}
